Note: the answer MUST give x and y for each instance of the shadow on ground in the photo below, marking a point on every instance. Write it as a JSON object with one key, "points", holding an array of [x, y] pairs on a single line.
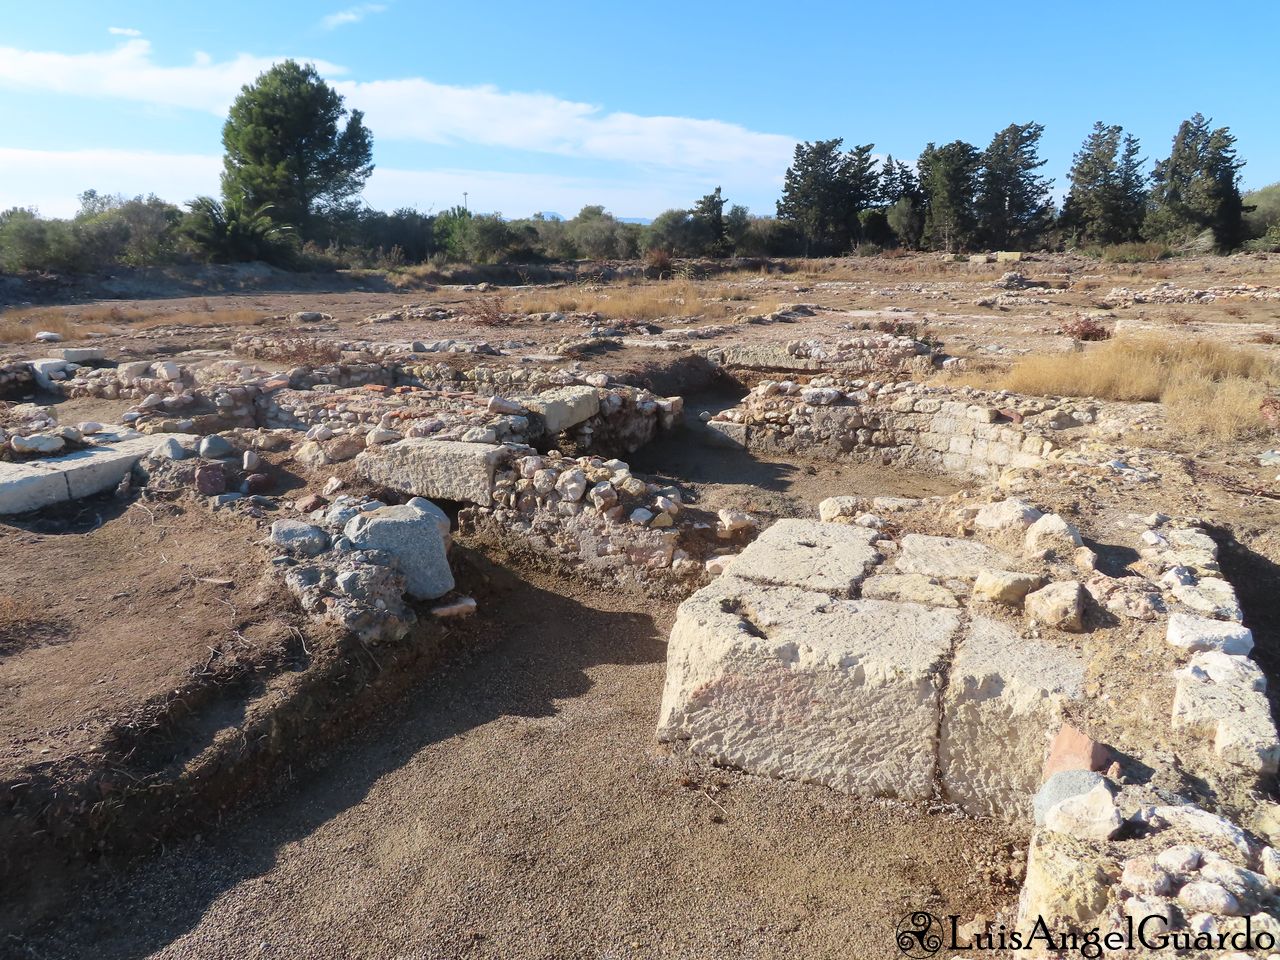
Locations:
{"points": [[534, 648]]}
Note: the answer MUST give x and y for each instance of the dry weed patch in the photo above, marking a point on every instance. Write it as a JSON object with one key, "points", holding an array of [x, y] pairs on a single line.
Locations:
{"points": [[1209, 389], [641, 301]]}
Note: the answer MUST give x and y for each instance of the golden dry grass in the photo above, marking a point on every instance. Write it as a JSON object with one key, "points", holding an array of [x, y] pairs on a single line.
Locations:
{"points": [[1209, 390], [21, 326], [645, 300]]}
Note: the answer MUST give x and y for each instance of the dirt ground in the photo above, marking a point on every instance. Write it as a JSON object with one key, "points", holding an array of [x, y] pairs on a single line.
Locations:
{"points": [[517, 806], [109, 607], [712, 476]]}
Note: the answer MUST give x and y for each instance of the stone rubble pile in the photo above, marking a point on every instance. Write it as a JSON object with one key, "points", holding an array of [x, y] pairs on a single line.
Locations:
{"points": [[1168, 293], [879, 354]]}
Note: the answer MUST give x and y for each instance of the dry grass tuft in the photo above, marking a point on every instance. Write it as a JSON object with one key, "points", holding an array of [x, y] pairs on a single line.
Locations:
{"points": [[21, 326], [641, 300], [1209, 390], [19, 624]]}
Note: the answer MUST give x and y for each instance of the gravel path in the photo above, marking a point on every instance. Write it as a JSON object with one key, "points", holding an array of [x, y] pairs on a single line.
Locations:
{"points": [[517, 806]]}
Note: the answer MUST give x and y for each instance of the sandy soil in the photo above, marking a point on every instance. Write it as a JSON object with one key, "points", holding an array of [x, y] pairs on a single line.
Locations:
{"points": [[113, 606], [517, 806]]}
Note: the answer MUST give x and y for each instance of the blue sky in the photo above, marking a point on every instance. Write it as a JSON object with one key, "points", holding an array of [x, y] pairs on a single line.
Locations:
{"points": [[641, 107]]}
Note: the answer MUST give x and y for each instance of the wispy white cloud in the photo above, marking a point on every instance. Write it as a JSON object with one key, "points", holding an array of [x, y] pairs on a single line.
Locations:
{"points": [[124, 31], [689, 152], [128, 72], [418, 109], [49, 180], [351, 15]]}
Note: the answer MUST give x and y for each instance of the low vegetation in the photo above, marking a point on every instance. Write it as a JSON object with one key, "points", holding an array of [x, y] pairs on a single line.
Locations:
{"points": [[646, 301], [21, 326], [1209, 390], [291, 198]]}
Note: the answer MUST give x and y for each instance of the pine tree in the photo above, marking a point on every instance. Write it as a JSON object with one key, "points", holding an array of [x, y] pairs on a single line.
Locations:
{"points": [[949, 181], [1197, 188], [284, 146], [824, 191], [1013, 203], [1108, 194], [897, 180], [708, 213], [861, 178]]}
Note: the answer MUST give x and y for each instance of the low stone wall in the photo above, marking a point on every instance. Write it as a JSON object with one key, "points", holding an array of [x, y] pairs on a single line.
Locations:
{"points": [[596, 516], [965, 432], [16, 380], [882, 662], [882, 354]]}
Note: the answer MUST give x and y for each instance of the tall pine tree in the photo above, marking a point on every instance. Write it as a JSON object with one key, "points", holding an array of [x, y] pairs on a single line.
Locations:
{"points": [[823, 192], [1013, 204], [1108, 196], [1197, 188], [949, 181]]}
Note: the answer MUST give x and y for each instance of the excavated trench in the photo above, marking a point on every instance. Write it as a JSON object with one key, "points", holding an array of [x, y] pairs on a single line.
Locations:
{"points": [[512, 804], [697, 459], [524, 770]]}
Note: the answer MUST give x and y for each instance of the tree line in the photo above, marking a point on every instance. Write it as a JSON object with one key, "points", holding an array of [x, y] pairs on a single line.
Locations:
{"points": [[296, 160]]}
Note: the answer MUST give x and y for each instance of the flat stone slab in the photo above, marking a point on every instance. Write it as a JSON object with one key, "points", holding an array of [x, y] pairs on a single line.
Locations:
{"points": [[563, 407], [1002, 706], [908, 588], [436, 469], [793, 684], [1222, 697], [82, 473], [1194, 633], [949, 558], [810, 555]]}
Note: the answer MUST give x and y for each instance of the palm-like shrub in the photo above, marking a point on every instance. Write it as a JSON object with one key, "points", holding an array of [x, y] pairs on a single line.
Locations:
{"points": [[230, 231]]}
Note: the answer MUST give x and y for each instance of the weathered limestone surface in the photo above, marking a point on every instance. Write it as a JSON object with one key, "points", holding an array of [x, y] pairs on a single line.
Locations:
{"points": [[948, 558], [1223, 696], [39, 483], [412, 534], [830, 558], [563, 408], [436, 469], [1003, 703], [790, 683], [908, 588]]}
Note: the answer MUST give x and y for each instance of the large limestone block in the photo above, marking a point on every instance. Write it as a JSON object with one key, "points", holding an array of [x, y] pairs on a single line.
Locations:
{"points": [[792, 684], [1223, 697], [39, 483], [563, 407], [948, 558], [809, 554], [412, 534], [1002, 705], [1066, 882], [1194, 633], [438, 469]]}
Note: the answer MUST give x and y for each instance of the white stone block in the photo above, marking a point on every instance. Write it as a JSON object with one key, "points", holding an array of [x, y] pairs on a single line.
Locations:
{"points": [[792, 684]]}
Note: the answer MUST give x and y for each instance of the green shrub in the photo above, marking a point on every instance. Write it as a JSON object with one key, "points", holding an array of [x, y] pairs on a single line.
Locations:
{"points": [[231, 232]]}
